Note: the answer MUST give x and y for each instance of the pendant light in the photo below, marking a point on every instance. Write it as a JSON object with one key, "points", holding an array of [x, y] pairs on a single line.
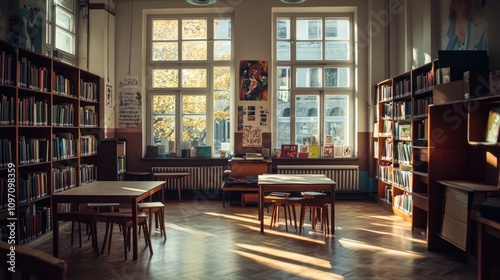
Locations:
{"points": [[201, 2]]}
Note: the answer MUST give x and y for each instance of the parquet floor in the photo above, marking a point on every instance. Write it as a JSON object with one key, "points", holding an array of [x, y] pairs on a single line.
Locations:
{"points": [[207, 241]]}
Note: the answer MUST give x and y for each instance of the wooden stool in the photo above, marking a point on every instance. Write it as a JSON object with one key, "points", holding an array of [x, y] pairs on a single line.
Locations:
{"points": [[156, 208], [288, 205], [124, 220], [319, 207], [172, 176], [138, 174]]}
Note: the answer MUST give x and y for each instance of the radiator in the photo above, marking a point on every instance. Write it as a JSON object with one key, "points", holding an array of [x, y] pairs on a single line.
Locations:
{"points": [[201, 178], [346, 176]]}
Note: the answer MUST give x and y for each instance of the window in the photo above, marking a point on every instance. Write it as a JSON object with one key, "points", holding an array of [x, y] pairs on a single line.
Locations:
{"points": [[314, 68], [61, 29], [189, 66]]}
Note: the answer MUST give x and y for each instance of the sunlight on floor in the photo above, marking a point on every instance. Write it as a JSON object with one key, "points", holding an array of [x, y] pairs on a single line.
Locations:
{"points": [[407, 238], [356, 245], [298, 265]]}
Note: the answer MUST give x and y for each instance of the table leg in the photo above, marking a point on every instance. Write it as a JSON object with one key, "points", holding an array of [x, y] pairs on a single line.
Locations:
{"points": [[135, 247], [332, 211], [55, 230], [261, 208], [179, 188]]}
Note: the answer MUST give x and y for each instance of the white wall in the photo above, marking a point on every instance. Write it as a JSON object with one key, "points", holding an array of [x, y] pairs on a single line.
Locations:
{"points": [[253, 38]]}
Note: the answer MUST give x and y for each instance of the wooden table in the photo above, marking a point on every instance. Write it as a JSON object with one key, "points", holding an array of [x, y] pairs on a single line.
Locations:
{"points": [[130, 192], [295, 182], [172, 175]]}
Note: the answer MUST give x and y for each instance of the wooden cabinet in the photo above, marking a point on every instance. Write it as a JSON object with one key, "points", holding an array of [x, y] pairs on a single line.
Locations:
{"points": [[42, 148], [112, 159]]}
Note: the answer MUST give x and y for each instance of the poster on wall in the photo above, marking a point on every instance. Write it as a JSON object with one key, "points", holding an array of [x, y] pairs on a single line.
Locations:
{"points": [[253, 115], [30, 24], [252, 136], [130, 103], [253, 80], [468, 27]]}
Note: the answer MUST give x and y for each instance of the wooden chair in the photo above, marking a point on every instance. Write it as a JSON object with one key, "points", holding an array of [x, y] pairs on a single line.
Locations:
{"points": [[158, 210], [124, 220], [30, 264]]}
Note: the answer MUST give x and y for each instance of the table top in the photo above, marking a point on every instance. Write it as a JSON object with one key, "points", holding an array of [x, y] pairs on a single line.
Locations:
{"points": [[294, 179], [469, 185], [166, 174], [110, 188]]}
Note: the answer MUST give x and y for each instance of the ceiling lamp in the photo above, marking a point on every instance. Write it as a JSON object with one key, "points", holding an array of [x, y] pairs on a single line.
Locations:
{"points": [[201, 2], [293, 1]]}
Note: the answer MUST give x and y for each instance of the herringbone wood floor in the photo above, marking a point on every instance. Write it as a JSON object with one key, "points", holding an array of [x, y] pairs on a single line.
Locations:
{"points": [[207, 241]]}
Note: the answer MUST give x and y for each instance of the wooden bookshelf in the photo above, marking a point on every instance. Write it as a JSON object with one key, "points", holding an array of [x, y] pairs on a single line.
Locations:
{"points": [[112, 159], [41, 132]]}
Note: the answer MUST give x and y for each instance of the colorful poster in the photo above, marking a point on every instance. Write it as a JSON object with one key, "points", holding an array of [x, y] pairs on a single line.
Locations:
{"points": [[468, 27], [30, 25], [253, 80]]}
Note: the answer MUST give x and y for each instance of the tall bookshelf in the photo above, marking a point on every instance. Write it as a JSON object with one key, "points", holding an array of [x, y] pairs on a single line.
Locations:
{"points": [[43, 128], [401, 139]]}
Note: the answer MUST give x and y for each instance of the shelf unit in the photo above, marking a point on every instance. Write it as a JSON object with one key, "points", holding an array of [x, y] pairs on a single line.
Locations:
{"points": [[112, 159], [42, 132]]}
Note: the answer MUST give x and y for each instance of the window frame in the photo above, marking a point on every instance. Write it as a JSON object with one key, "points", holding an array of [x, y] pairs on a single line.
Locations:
{"points": [[293, 63], [179, 64], [51, 31]]}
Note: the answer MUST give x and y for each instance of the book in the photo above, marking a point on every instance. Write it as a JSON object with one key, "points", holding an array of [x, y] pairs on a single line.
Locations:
{"points": [[328, 150], [493, 125], [314, 151], [303, 155], [151, 152], [404, 131], [289, 150]]}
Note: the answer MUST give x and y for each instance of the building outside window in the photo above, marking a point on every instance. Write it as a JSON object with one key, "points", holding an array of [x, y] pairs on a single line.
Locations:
{"points": [[314, 66], [189, 81]]}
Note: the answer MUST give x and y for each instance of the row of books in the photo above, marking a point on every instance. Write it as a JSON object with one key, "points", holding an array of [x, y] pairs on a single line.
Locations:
{"points": [[387, 111], [63, 86], [88, 145], [7, 110], [386, 129], [421, 129], [385, 93], [403, 152], [420, 107], [32, 186], [402, 88], [89, 116], [33, 150], [5, 152], [403, 179], [314, 151], [33, 222], [403, 202], [402, 110], [32, 112], [63, 178], [32, 76], [385, 172], [387, 150], [424, 82], [63, 146], [63, 114], [121, 165], [88, 173], [7, 71], [88, 91]]}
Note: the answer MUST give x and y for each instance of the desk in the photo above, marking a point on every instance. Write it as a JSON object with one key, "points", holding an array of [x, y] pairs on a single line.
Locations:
{"points": [[295, 182], [105, 192], [172, 175]]}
